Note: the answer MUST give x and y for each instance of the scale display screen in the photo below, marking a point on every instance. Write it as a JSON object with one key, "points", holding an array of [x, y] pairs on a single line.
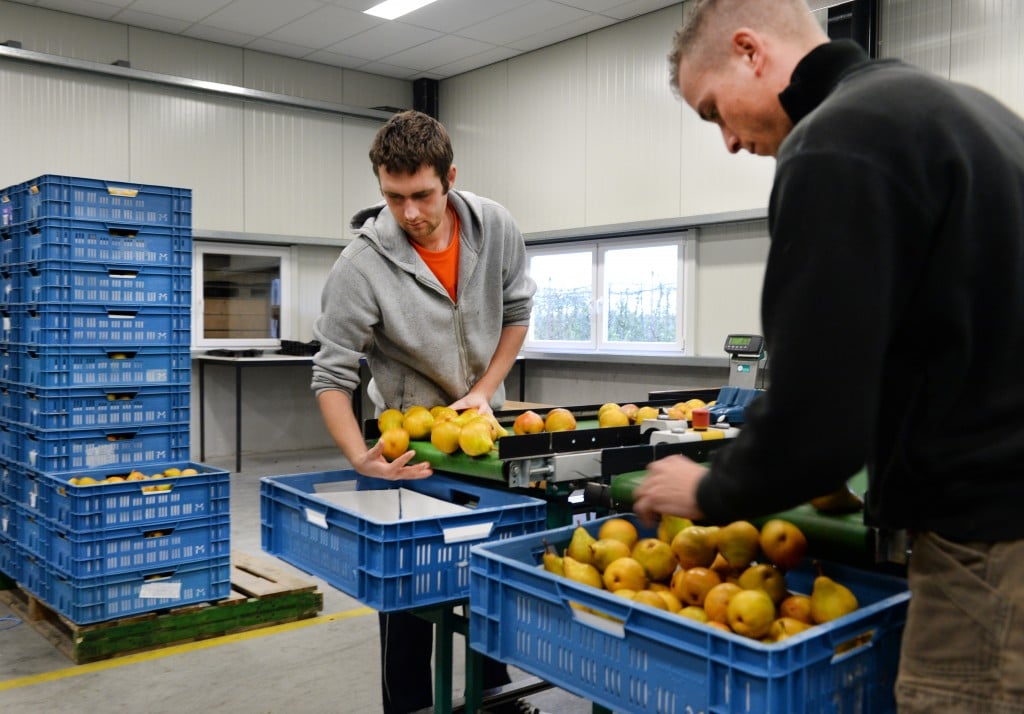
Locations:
{"points": [[744, 344]]}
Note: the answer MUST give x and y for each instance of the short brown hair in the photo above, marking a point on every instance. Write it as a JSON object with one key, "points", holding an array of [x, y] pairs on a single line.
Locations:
{"points": [[708, 18], [410, 140]]}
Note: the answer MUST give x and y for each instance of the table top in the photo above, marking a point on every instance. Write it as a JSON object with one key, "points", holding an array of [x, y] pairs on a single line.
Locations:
{"points": [[266, 358]]}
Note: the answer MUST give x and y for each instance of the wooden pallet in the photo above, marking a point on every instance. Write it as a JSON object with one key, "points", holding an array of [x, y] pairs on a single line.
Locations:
{"points": [[261, 595]]}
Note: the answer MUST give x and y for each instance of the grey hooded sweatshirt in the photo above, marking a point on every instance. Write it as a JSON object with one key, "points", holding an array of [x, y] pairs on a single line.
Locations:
{"points": [[381, 301]]}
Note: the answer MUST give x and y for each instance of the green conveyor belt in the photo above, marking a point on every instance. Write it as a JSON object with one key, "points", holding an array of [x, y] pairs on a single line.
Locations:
{"points": [[487, 466], [842, 537]]}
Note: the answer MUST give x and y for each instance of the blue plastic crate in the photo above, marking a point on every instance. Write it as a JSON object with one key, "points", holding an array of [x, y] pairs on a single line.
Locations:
{"points": [[12, 476], [65, 281], [6, 208], [126, 503], [10, 559], [66, 449], [117, 551], [10, 285], [10, 442], [108, 325], [99, 407], [107, 243], [52, 196], [388, 564], [10, 401], [49, 366], [10, 362], [84, 601], [631, 657], [9, 519]]}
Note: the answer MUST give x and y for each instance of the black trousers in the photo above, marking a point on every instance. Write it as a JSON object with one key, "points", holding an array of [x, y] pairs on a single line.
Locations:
{"points": [[406, 648]]}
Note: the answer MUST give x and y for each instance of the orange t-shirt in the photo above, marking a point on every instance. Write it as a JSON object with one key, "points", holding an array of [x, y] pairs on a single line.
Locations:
{"points": [[444, 264]]}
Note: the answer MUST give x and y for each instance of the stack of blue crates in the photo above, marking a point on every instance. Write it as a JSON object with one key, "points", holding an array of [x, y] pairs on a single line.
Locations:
{"points": [[95, 378]]}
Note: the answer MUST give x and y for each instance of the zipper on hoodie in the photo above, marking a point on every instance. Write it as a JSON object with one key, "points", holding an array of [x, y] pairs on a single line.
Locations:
{"points": [[460, 337]]}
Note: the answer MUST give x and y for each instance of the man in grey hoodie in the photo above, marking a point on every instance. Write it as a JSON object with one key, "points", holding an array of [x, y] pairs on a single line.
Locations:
{"points": [[433, 291]]}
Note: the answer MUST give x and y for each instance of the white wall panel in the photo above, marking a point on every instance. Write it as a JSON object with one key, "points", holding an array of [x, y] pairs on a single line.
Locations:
{"points": [[56, 121], [918, 32], [713, 180], [633, 122], [296, 78], [371, 90], [361, 187], [194, 141], [474, 109], [546, 137], [60, 33], [314, 263], [184, 56], [293, 171], [986, 48], [730, 271]]}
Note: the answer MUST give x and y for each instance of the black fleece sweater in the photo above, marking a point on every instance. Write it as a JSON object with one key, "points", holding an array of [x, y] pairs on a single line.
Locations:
{"points": [[893, 305]]}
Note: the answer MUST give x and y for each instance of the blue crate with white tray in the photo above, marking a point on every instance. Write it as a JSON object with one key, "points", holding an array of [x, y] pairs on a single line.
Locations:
{"points": [[391, 545]]}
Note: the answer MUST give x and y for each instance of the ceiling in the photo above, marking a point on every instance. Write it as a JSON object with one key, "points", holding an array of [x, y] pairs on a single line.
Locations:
{"points": [[440, 40]]}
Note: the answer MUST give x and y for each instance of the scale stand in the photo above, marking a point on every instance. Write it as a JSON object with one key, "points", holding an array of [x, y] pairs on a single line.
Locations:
{"points": [[745, 355]]}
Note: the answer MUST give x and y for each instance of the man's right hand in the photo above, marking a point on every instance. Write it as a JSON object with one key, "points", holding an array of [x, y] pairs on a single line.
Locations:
{"points": [[372, 463]]}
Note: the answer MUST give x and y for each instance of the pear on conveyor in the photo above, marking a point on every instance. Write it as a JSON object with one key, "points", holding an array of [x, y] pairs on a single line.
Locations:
{"points": [[842, 500]]}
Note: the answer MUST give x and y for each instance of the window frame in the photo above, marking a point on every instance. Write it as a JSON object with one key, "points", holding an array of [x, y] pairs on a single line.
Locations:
{"points": [[599, 248], [286, 256]]}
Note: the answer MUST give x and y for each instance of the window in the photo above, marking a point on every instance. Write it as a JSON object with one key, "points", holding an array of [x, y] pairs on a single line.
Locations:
{"points": [[240, 295], [621, 295]]}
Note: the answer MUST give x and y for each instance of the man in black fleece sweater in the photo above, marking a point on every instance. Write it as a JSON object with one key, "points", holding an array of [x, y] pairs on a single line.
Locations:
{"points": [[893, 307]]}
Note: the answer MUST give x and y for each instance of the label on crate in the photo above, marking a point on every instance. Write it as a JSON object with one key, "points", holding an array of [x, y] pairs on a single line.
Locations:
{"points": [[162, 590], [102, 455]]}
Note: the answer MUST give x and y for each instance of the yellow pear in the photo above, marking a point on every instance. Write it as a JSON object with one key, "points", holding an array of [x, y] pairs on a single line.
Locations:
{"points": [[604, 551], [390, 419], [625, 573], [645, 413], [716, 602], [620, 529], [694, 612], [695, 546], [671, 601], [765, 576], [783, 543], [657, 558], [579, 545], [612, 417], [581, 572], [649, 597], [395, 443], [784, 627], [669, 525], [475, 438], [797, 607], [445, 436], [751, 613], [529, 422], [691, 586], [739, 543], [606, 406], [442, 413], [559, 419], [830, 600], [552, 560], [418, 423]]}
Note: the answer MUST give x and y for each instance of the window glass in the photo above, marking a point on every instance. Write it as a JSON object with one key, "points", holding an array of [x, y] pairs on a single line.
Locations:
{"points": [[242, 289], [641, 294], [616, 295], [562, 303]]}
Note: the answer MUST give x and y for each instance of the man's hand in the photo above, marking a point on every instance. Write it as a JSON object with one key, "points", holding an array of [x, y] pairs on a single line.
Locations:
{"points": [[669, 487], [472, 399], [373, 463]]}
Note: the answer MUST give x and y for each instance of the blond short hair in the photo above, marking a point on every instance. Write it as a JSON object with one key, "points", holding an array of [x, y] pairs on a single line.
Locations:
{"points": [[702, 37]]}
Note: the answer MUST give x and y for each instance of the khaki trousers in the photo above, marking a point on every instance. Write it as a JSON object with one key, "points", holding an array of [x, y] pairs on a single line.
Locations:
{"points": [[963, 645]]}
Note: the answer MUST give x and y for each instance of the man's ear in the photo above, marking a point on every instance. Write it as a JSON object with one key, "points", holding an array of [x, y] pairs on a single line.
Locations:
{"points": [[451, 176], [748, 45]]}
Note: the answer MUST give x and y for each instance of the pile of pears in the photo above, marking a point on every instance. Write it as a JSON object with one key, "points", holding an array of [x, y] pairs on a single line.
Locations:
{"points": [[731, 577], [448, 430], [612, 414]]}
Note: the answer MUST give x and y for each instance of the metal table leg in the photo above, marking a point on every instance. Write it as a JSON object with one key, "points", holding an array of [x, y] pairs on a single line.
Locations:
{"points": [[238, 417]]}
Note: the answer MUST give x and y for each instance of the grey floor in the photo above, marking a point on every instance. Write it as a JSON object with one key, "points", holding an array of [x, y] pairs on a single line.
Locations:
{"points": [[330, 666]]}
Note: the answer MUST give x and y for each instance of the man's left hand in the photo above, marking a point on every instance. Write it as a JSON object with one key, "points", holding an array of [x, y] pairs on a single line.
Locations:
{"points": [[471, 400]]}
